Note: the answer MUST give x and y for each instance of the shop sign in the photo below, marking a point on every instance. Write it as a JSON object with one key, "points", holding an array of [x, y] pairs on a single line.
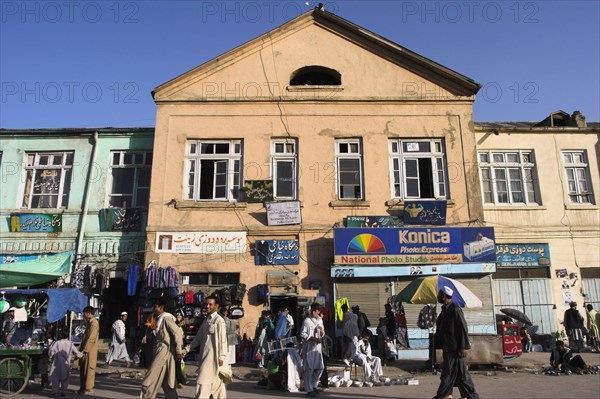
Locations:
{"points": [[276, 252], [393, 246], [257, 191], [523, 255], [120, 219], [35, 222], [209, 242], [373, 221], [425, 212], [283, 213]]}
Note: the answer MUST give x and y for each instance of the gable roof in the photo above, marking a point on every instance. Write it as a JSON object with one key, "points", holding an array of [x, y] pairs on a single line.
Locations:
{"points": [[450, 80]]}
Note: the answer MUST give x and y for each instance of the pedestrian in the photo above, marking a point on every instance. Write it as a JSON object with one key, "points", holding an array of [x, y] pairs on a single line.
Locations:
{"points": [[232, 335], [391, 322], [312, 333], [284, 324], [349, 332], [592, 327], [147, 343], [265, 332], [211, 340], [180, 375], [363, 321], [573, 322], [117, 348], [89, 347], [167, 348], [364, 358], [451, 336], [61, 352], [525, 340]]}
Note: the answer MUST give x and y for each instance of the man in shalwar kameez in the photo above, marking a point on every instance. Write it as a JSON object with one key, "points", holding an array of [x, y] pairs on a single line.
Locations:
{"points": [[61, 352], [364, 358], [89, 348], [117, 348], [167, 348], [211, 341], [312, 333]]}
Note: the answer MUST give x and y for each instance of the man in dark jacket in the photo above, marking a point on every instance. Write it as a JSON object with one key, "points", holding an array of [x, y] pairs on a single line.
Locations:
{"points": [[451, 336], [363, 320], [573, 322]]}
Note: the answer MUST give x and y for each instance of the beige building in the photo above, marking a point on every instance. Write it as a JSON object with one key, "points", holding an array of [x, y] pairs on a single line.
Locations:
{"points": [[340, 122], [540, 185]]}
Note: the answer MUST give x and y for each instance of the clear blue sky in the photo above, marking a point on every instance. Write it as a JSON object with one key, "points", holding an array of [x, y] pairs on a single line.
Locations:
{"points": [[94, 63]]}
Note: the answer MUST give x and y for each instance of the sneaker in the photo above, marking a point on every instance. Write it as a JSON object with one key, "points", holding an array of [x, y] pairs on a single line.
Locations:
{"points": [[347, 362]]}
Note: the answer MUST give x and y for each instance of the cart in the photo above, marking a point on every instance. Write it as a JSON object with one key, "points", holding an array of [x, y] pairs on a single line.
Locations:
{"points": [[15, 369]]}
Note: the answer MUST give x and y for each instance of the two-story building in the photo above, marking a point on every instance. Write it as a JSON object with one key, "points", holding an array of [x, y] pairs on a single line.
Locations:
{"points": [[539, 187], [261, 153], [74, 202]]}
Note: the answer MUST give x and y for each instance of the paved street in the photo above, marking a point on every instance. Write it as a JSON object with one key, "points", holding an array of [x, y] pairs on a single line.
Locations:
{"points": [[520, 381]]}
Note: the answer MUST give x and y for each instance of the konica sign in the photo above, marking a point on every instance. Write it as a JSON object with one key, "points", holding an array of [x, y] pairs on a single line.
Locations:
{"points": [[392, 246]]}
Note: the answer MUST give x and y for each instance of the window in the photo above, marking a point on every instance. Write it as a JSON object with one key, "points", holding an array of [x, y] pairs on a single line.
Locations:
{"points": [[348, 155], [283, 168], [129, 179], [418, 169], [315, 75], [578, 177], [213, 170], [212, 279], [508, 177], [47, 180]]}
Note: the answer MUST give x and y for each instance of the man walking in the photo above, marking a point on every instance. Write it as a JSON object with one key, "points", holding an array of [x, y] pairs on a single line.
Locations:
{"points": [[312, 333], [89, 347], [211, 341], [117, 349], [452, 337], [573, 322], [167, 348]]}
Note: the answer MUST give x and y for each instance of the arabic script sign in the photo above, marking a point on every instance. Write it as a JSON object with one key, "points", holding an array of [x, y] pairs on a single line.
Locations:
{"points": [[425, 212], [282, 213], [373, 221], [276, 252], [208, 242], [35, 222], [120, 219], [258, 190], [523, 255]]}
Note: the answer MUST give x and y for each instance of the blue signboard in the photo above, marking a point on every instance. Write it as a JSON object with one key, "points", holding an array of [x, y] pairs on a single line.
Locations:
{"points": [[360, 246], [276, 252], [523, 255], [425, 212]]}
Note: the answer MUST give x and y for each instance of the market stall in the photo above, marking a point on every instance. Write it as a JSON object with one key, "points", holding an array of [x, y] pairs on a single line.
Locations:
{"points": [[34, 310]]}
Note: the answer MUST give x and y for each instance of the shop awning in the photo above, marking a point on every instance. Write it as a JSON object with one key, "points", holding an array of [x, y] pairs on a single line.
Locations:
{"points": [[60, 300], [43, 269]]}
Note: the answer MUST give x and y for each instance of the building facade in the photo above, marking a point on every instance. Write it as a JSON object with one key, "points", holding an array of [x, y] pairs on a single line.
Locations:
{"points": [[539, 186], [74, 198], [263, 152]]}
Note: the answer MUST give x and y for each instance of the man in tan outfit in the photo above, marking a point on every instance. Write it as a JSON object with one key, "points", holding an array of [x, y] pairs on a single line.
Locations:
{"points": [[89, 347], [168, 347]]}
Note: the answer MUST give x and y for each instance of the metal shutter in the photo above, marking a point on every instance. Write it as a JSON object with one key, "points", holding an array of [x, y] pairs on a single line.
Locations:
{"points": [[370, 294]]}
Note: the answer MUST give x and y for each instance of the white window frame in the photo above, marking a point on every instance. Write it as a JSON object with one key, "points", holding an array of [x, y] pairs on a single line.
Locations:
{"points": [[578, 195], [399, 157], [32, 163], [193, 172], [146, 164], [284, 150], [522, 161], [350, 154]]}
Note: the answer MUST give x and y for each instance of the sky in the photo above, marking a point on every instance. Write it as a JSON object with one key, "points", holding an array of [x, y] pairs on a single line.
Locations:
{"points": [[76, 63]]}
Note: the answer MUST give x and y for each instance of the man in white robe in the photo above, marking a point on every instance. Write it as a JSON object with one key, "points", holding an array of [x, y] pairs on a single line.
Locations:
{"points": [[294, 368], [312, 333], [211, 340], [117, 348], [364, 358], [167, 347]]}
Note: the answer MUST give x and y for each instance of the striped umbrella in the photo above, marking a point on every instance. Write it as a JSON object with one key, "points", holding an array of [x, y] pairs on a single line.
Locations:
{"points": [[425, 289]]}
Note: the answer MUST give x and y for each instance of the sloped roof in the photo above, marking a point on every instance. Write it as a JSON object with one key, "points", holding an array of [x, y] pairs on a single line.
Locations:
{"points": [[534, 126], [452, 81]]}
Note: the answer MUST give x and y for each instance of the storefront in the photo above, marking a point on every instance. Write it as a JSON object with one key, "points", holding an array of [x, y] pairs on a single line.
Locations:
{"points": [[523, 281], [372, 265]]}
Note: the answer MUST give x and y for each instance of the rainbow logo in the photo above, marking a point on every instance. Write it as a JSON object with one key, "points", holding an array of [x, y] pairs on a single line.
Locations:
{"points": [[366, 243]]}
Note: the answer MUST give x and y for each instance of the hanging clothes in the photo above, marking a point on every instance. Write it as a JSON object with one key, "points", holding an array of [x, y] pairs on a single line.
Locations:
{"points": [[132, 278], [339, 314]]}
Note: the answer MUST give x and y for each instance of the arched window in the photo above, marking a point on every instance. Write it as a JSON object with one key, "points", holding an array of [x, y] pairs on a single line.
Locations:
{"points": [[315, 75]]}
